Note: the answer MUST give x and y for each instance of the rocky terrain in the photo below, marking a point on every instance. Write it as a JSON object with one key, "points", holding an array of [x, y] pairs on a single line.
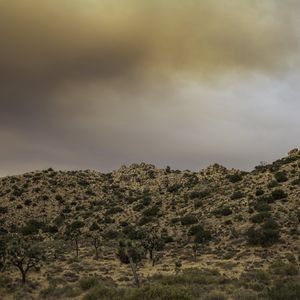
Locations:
{"points": [[229, 228]]}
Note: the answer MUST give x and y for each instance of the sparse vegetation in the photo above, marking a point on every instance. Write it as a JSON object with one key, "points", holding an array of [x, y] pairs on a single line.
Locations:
{"points": [[169, 229]]}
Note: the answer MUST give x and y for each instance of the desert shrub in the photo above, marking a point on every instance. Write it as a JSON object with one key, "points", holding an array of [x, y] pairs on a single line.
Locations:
{"points": [[108, 220], [296, 182], [174, 188], [262, 206], [278, 194], [3, 210], [234, 177], [59, 199], [160, 292], [287, 291], [65, 292], [285, 269], [199, 194], [191, 277], [272, 184], [87, 283], [114, 210], [267, 235], [51, 229], [94, 227], [176, 220], [145, 220], [281, 176], [138, 207], [198, 203], [215, 295], [195, 229], [260, 217], [188, 220], [27, 202], [111, 234], [32, 227], [237, 195], [259, 192], [243, 294], [151, 212], [223, 211]]}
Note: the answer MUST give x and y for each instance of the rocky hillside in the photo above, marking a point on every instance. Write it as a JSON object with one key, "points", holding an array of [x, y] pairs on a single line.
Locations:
{"points": [[250, 219]]}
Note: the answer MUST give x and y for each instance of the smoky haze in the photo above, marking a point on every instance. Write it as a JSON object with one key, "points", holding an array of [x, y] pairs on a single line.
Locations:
{"points": [[96, 84]]}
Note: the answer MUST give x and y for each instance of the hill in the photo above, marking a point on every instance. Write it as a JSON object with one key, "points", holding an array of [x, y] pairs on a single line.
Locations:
{"points": [[217, 229]]}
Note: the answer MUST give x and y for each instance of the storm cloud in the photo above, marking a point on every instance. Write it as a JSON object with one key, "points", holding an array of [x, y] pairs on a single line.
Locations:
{"points": [[98, 83]]}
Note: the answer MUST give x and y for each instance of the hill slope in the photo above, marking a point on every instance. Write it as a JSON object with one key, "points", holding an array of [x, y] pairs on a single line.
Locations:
{"points": [[119, 205]]}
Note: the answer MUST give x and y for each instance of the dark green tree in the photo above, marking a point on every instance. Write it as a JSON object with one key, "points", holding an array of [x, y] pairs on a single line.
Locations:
{"points": [[73, 232], [131, 253], [24, 254], [152, 243]]}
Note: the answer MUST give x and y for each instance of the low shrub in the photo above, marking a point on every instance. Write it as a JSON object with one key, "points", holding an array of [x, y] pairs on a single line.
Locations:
{"points": [[287, 291], [188, 220]]}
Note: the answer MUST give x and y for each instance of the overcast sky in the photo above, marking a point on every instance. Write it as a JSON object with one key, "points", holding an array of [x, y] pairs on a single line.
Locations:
{"points": [[94, 84]]}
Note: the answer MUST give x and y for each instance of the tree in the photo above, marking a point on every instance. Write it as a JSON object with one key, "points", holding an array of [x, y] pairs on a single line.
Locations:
{"points": [[153, 242], [96, 241], [132, 254], [24, 254], [73, 233]]}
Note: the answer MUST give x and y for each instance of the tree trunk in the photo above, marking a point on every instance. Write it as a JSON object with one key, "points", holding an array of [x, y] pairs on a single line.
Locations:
{"points": [[195, 255], [23, 276], [134, 272], [151, 254], [77, 248]]}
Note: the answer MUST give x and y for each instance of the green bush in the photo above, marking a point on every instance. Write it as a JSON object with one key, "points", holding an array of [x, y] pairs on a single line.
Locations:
{"points": [[151, 211], [281, 176], [259, 192], [234, 177], [272, 184], [32, 227], [262, 206], [215, 295], [87, 283], [188, 220], [3, 210], [260, 217], [160, 292], [296, 182], [114, 210], [224, 211], [278, 194], [287, 291], [267, 235], [237, 195], [100, 292]]}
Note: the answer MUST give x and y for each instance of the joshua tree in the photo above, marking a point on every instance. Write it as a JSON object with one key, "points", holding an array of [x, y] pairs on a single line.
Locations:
{"points": [[96, 240], [132, 254], [73, 233], [24, 254], [153, 242]]}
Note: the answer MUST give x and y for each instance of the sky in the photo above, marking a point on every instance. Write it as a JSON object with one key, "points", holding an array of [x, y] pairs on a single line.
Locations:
{"points": [[95, 84]]}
